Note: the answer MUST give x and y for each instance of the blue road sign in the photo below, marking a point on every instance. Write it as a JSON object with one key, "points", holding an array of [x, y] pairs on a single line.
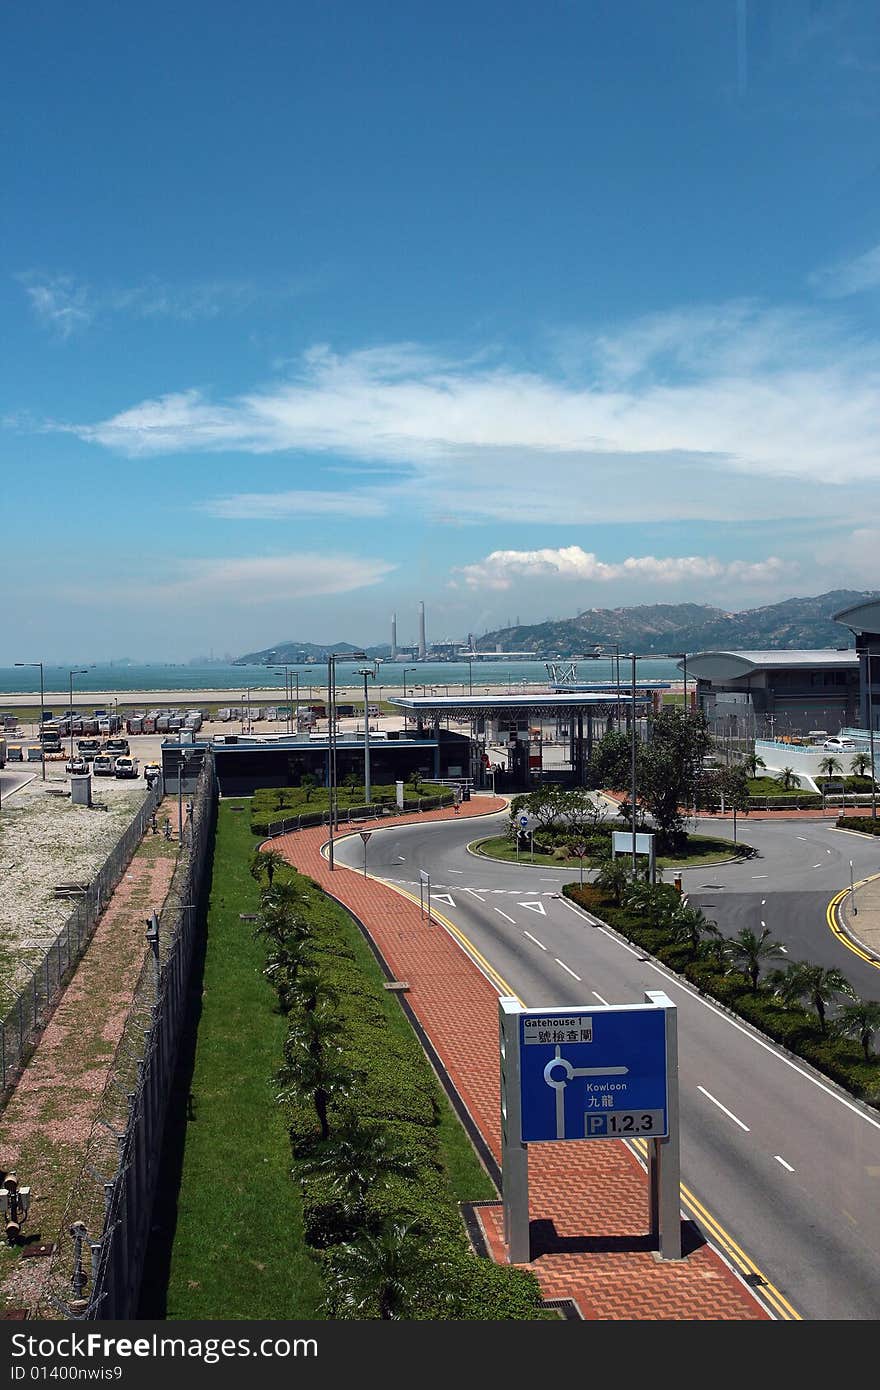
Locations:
{"points": [[593, 1073], [524, 820]]}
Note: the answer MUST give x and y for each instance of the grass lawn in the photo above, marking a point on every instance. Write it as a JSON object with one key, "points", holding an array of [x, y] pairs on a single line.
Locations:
{"points": [[237, 1249], [702, 849]]}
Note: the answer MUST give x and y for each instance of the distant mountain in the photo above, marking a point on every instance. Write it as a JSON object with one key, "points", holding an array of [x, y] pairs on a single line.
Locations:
{"points": [[686, 627], [645, 628], [293, 653]]}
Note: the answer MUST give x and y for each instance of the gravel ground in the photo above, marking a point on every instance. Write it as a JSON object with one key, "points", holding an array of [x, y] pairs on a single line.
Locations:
{"points": [[45, 840]]}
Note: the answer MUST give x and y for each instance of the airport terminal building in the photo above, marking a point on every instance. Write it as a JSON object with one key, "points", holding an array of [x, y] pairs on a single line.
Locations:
{"points": [[767, 694]]}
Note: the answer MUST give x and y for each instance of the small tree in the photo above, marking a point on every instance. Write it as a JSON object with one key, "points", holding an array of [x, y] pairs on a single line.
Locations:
{"points": [[690, 926], [360, 1158], [819, 986], [381, 1271], [308, 782], [860, 1020], [830, 766], [748, 951], [614, 878], [860, 764], [352, 784], [266, 863], [751, 763], [787, 778]]}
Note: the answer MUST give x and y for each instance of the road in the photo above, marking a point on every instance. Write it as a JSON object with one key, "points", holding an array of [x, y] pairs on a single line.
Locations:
{"points": [[787, 1164]]}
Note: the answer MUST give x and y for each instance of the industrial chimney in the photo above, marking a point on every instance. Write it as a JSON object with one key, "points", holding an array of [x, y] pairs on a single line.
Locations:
{"points": [[423, 646], [393, 636]]}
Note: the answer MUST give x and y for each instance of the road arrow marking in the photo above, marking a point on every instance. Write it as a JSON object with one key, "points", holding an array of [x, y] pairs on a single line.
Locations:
{"points": [[535, 907]]}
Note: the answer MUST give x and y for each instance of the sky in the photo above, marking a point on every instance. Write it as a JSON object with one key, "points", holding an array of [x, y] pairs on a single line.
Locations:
{"points": [[309, 312]]}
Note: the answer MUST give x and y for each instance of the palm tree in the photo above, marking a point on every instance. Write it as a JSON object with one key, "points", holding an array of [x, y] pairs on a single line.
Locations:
{"points": [[308, 782], [285, 962], [690, 925], [387, 1268], [860, 1020], [830, 766], [860, 764], [358, 1158], [318, 1078], [352, 783], [788, 778], [747, 950], [310, 991], [752, 762], [818, 985], [266, 863], [648, 899], [614, 878]]}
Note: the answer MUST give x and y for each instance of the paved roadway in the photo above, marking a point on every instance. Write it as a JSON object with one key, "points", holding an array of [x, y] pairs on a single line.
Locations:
{"points": [[786, 1163]]}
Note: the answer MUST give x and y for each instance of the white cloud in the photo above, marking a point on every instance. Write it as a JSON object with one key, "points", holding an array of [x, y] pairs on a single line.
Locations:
{"points": [[503, 568], [283, 506], [681, 417], [59, 303], [852, 276], [242, 582], [67, 305]]}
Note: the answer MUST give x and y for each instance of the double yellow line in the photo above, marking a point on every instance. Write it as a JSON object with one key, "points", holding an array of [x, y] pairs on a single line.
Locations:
{"points": [[764, 1291], [832, 917]]}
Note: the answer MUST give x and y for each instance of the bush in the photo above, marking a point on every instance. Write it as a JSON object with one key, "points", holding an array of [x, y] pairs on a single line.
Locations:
{"points": [[867, 824]]}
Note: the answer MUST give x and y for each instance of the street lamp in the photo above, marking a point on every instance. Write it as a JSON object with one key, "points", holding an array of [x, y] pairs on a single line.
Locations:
{"points": [[368, 672], [332, 658], [42, 746], [870, 656], [80, 671], [632, 725]]}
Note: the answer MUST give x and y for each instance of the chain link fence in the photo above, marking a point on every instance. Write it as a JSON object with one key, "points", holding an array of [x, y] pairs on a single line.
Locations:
{"points": [[98, 1263], [26, 1019]]}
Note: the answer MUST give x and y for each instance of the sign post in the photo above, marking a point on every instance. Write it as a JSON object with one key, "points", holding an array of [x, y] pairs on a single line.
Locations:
{"points": [[604, 1072], [365, 836], [425, 892], [514, 1153], [623, 842]]}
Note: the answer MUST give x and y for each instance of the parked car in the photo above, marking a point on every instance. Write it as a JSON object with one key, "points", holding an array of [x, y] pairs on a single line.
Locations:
{"points": [[103, 765], [88, 748], [837, 744], [76, 766], [126, 766], [152, 770], [117, 746]]}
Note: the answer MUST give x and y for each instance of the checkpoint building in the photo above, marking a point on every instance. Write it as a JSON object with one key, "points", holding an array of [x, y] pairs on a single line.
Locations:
{"points": [[863, 621], [763, 694]]}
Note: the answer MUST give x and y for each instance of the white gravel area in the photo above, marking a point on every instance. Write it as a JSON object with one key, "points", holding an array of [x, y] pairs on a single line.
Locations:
{"points": [[45, 840]]}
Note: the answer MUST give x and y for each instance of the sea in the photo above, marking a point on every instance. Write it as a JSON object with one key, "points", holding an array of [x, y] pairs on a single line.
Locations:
{"points": [[437, 677]]}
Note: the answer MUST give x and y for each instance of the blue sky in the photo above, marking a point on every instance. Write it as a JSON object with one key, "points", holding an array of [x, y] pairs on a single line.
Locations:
{"points": [[311, 311]]}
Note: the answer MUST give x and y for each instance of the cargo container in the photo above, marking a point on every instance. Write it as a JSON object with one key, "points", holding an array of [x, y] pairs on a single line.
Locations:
{"points": [[162, 724], [224, 714], [134, 726], [271, 712], [34, 753], [148, 725], [14, 753], [90, 726]]}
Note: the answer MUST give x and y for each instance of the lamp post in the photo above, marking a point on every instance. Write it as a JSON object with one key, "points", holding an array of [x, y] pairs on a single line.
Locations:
{"points": [[405, 669], [332, 658], [870, 656], [80, 671], [42, 748], [367, 672], [632, 723]]}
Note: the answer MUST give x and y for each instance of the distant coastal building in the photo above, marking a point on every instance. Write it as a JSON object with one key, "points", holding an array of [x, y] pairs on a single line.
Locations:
{"points": [[767, 693]]}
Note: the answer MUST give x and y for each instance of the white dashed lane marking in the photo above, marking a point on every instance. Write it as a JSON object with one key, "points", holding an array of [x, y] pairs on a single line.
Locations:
{"points": [[505, 916], [535, 939], [568, 968], [729, 1113]]}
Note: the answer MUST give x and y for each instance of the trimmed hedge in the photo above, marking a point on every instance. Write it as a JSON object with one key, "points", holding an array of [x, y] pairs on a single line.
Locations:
{"points": [[395, 1089], [867, 824], [792, 1026], [270, 806]]}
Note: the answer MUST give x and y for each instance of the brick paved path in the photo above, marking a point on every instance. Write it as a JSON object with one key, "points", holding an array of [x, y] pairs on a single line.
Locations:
{"points": [[588, 1203]]}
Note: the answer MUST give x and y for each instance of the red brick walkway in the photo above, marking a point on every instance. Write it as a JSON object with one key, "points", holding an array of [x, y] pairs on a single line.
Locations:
{"points": [[588, 1203]]}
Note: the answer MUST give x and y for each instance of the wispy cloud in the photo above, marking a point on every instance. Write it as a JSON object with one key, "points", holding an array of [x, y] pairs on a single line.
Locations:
{"points": [[853, 276], [67, 305], [282, 506], [503, 568], [241, 582], [675, 416], [59, 302]]}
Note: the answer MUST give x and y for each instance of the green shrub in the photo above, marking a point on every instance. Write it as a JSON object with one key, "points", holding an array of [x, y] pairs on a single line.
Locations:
{"points": [[867, 824]]}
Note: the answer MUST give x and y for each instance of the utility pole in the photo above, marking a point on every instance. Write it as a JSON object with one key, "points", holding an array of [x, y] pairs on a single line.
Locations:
{"points": [[42, 704]]}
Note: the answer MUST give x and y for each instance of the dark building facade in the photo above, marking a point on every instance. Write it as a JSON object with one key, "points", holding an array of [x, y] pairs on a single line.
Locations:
{"points": [[762, 694], [863, 621]]}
